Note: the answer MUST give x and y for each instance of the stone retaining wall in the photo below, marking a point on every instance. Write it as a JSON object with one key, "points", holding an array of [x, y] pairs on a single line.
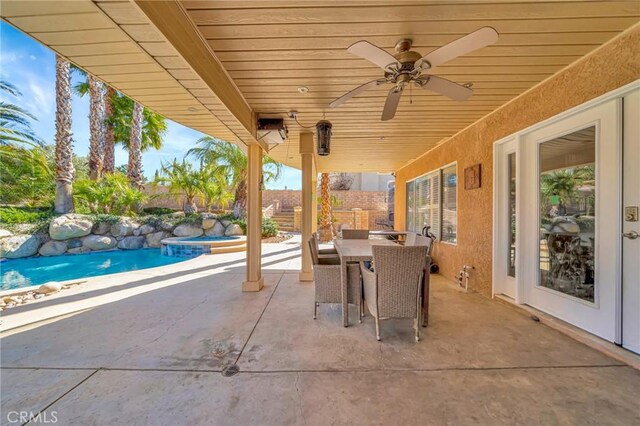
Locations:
{"points": [[74, 233]]}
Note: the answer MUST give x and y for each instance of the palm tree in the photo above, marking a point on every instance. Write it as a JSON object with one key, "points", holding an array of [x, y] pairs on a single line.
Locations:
{"points": [[564, 183], [131, 122], [134, 168], [93, 87], [325, 231], [64, 142], [108, 149], [26, 175], [154, 126], [15, 126], [182, 181], [214, 187], [233, 162]]}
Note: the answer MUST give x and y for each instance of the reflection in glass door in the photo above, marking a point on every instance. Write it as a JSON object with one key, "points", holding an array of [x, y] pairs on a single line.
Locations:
{"points": [[511, 215], [569, 236], [567, 173]]}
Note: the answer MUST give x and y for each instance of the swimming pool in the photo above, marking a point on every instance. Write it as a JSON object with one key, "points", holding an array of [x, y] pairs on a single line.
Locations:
{"points": [[18, 273]]}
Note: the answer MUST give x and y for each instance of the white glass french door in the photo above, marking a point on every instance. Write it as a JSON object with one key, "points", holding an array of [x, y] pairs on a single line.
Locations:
{"points": [[569, 237], [506, 193], [631, 224]]}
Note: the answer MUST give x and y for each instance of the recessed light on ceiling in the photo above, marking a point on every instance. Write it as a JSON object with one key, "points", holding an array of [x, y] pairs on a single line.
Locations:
{"points": [[303, 89], [192, 109], [468, 85]]}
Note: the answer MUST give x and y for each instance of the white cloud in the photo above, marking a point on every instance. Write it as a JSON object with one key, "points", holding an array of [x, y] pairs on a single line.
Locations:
{"points": [[41, 95]]}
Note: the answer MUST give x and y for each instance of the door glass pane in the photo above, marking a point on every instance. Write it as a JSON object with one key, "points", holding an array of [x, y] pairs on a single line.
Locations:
{"points": [[511, 262], [449, 205], [427, 203], [410, 204], [567, 213]]}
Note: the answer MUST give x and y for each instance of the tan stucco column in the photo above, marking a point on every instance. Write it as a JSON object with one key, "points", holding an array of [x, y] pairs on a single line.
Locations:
{"points": [[314, 205], [254, 281], [308, 194]]}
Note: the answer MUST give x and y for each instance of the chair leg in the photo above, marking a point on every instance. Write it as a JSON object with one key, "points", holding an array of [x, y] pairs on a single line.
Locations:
{"points": [[418, 321], [315, 309], [377, 328]]}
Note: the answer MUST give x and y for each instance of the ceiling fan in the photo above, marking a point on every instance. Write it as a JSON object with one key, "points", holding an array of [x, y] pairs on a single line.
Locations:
{"points": [[408, 66]]}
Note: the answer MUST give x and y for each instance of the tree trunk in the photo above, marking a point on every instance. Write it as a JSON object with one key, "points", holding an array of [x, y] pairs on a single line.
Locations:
{"points": [[64, 142], [96, 119], [109, 160], [325, 232], [190, 206], [240, 200], [134, 168]]}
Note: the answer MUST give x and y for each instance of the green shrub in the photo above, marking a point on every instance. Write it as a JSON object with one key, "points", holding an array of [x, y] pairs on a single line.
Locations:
{"points": [[113, 194], [107, 218], [158, 211], [269, 227], [19, 215]]}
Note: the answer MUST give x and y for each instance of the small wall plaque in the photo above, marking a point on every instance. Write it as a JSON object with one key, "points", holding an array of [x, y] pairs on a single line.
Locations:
{"points": [[472, 177]]}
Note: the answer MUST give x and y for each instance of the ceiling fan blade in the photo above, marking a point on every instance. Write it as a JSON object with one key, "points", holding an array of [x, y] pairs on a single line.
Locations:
{"points": [[445, 87], [473, 41], [372, 53], [391, 105], [342, 99]]}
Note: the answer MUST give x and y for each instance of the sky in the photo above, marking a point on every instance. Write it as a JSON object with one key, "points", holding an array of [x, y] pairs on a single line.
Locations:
{"points": [[30, 67]]}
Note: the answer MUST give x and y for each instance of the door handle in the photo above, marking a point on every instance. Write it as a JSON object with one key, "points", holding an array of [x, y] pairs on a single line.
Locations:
{"points": [[632, 235]]}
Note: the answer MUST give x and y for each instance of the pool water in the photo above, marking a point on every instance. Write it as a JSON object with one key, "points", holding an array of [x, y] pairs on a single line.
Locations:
{"points": [[18, 273]]}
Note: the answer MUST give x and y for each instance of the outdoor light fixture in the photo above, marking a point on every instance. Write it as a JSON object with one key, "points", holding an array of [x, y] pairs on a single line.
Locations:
{"points": [[323, 133]]}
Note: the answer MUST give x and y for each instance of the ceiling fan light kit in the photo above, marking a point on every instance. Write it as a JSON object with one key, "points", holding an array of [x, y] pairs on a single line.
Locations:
{"points": [[409, 67]]}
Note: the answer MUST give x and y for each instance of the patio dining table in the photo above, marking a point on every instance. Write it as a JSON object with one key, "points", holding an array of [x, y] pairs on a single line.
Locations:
{"points": [[354, 251]]}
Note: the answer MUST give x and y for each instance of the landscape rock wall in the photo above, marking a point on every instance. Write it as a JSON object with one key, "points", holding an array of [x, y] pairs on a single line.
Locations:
{"points": [[74, 234]]}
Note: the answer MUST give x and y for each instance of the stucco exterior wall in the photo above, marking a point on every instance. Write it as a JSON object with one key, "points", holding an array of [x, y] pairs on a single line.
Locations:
{"points": [[611, 66]]}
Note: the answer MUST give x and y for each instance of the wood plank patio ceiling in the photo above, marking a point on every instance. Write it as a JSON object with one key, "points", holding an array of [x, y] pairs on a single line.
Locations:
{"points": [[270, 48]]}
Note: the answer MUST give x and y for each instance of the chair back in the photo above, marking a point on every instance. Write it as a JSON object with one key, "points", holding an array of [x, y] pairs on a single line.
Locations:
{"points": [[399, 272], [421, 240], [355, 234], [410, 239], [313, 249]]}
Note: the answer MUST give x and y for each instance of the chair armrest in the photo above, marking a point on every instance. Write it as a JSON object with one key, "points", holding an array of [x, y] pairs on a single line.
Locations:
{"points": [[328, 260], [328, 251]]}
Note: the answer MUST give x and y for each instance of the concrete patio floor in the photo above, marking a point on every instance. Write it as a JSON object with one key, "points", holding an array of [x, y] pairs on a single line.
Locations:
{"points": [[149, 348]]}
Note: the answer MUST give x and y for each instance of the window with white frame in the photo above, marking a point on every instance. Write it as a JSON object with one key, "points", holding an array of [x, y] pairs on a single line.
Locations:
{"points": [[432, 202]]}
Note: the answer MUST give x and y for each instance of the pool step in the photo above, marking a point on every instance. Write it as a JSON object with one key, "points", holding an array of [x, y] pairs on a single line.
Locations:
{"points": [[229, 248]]}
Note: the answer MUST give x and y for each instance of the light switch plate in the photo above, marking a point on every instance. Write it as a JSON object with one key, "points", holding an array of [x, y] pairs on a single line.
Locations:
{"points": [[631, 214]]}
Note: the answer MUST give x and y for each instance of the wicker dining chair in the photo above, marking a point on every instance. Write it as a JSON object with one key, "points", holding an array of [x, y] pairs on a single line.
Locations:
{"points": [[321, 258], [410, 239], [421, 240], [331, 250], [394, 289], [328, 284], [355, 234]]}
